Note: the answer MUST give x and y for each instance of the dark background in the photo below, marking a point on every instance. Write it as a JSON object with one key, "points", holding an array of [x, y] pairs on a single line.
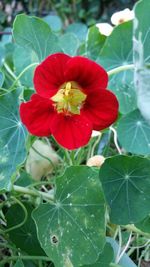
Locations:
{"points": [[87, 11]]}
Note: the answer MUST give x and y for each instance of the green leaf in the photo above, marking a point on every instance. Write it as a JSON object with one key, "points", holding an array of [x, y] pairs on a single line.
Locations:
{"points": [[141, 33], [126, 183], [73, 228], [105, 257], [134, 133], [34, 33], [117, 51], [2, 77], [12, 138], [54, 22], [94, 43], [19, 263], [28, 56], [144, 225], [79, 29], [69, 43], [24, 237]]}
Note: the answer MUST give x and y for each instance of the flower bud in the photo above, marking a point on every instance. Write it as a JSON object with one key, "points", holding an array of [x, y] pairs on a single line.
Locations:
{"points": [[95, 161]]}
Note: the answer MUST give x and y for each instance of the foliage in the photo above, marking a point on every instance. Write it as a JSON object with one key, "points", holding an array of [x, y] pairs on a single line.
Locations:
{"points": [[76, 215]]}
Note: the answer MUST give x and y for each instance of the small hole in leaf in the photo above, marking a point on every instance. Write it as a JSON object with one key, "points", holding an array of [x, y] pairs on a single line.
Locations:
{"points": [[54, 239]]}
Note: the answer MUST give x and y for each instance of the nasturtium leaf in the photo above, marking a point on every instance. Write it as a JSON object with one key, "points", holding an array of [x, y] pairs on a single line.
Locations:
{"points": [[144, 225], [73, 228], [69, 43], [54, 22], [134, 133], [34, 33], [94, 43], [117, 51], [27, 57], [19, 263], [105, 258], [2, 77], [24, 237], [126, 183], [12, 138], [79, 29]]}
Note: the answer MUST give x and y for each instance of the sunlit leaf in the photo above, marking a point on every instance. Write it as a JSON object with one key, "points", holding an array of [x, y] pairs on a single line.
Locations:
{"points": [[126, 183], [12, 139], [73, 228]]}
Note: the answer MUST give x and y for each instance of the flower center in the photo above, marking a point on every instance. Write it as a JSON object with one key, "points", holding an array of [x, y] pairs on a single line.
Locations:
{"points": [[69, 99]]}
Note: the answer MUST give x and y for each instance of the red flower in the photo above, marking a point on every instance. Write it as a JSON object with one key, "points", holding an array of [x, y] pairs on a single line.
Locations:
{"points": [[71, 100]]}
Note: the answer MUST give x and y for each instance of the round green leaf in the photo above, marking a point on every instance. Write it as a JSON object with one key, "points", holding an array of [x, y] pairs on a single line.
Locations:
{"points": [[12, 138], [117, 51], [73, 228], [144, 225], [69, 43], [36, 34], [134, 133], [126, 183], [24, 237]]}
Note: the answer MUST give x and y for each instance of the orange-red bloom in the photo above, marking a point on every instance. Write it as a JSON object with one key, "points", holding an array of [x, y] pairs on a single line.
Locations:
{"points": [[71, 100]]}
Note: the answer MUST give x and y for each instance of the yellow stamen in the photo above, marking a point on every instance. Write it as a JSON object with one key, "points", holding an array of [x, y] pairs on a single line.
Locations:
{"points": [[69, 99]]}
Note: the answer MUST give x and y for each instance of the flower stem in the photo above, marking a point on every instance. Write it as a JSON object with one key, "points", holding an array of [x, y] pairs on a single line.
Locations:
{"points": [[120, 69], [14, 258], [132, 228], [35, 193]]}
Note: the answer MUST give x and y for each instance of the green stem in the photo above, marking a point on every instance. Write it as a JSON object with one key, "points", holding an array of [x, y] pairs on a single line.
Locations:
{"points": [[22, 73], [24, 220], [136, 230], [35, 193], [120, 69], [10, 71], [14, 258]]}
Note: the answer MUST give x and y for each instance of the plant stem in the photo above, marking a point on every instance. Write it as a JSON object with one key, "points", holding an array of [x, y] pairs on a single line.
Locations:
{"points": [[35, 193], [119, 69], [132, 228], [14, 258]]}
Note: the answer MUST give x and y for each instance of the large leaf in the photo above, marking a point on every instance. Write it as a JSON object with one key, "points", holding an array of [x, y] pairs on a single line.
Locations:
{"points": [[34, 33], [12, 139], [73, 228], [94, 43], [126, 183], [19, 263], [2, 77], [134, 133], [54, 22], [24, 237], [117, 51], [2, 54]]}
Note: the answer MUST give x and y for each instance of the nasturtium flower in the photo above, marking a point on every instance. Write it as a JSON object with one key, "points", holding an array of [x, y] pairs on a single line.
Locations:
{"points": [[71, 100]]}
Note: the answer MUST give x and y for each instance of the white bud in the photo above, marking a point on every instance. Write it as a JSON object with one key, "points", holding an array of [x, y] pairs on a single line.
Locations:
{"points": [[96, 161]]}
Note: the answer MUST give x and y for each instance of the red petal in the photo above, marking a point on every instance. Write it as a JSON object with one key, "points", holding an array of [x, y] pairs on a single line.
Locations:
{"points": [[87, 73], [49, 75], [101, 108], [36, 114], [71, 132]]}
